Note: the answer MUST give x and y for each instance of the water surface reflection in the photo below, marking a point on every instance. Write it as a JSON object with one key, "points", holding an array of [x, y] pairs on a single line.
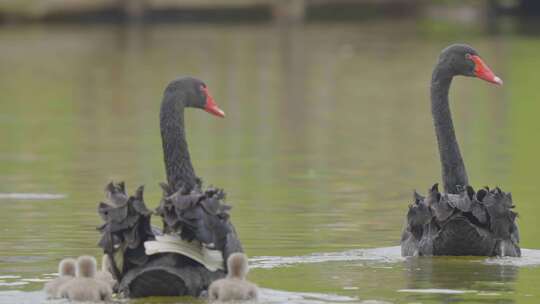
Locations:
{"points": [[328, 131]]}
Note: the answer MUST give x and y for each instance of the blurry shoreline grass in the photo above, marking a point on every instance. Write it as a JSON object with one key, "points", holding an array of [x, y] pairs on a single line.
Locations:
{"points": [[150, 11]]}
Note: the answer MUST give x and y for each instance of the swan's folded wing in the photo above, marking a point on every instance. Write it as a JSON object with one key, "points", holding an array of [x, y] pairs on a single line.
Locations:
{"points": [[214, 203], [110, 213], [232, 244], [514, 234], [137, 256], [116, 193], [501, 217], [126, 228], [460, 237], [409, 244], [138, 203], [442, 208], [480, 213], [131, 236], [418, 215], [174, 208], [463, 200], [118, 218]]}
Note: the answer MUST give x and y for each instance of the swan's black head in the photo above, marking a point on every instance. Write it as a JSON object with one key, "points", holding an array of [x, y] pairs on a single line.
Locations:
{"points": [[461, 59], [194, 93]]}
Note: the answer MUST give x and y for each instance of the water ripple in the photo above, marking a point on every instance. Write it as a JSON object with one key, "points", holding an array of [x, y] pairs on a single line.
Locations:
{"points": [[383, 255], [272, 296], [437, 291], [529, 257], [32, 196]]}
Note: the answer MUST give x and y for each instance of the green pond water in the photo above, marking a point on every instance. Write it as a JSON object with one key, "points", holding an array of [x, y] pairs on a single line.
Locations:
{"points": [[328, 131]]}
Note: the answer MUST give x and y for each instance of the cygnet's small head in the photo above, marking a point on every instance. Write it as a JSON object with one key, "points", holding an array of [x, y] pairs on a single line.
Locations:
{"points": [[86, 266], [237, 265], [67, 267]]}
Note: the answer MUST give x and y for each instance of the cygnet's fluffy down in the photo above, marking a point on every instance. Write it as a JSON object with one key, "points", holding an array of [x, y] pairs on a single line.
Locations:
{"points": [[234, 287], [66, 271], [85, 286]]}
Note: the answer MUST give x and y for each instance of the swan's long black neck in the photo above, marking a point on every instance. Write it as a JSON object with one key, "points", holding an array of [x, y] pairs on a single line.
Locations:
{"points": [[178, 165], [453, 167]]}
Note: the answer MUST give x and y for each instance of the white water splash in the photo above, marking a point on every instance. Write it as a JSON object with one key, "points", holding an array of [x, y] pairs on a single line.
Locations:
{"points": [[383, 255], [438, 291], [529, 257], [18, 283], [272, 296], [23, 297], [35, 280], [32, 196], [266, 296]]}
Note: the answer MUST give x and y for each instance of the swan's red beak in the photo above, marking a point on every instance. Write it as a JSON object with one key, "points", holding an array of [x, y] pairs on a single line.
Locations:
{"points": [[211, 106], [482, 71]]}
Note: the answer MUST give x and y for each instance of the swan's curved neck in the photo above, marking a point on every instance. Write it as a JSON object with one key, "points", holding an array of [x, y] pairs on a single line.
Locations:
{"points": [[180, 172], [453, 167]]}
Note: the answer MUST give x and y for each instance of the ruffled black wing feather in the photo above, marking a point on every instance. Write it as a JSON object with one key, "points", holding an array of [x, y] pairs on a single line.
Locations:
{"points": [[126, 227], [468, 223]]}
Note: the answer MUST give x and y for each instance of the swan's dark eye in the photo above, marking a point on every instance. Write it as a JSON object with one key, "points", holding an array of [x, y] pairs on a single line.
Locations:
{"points": [[204, 91], [469, 64], [469, 60]]}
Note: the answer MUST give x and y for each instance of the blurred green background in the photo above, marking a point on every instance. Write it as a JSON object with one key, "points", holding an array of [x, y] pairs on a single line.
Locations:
{"points": [[328, 131]]}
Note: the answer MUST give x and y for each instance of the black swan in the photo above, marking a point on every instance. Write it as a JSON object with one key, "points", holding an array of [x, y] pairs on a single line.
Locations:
{"points": [[462, 221], [234, 287], [197, 237]]}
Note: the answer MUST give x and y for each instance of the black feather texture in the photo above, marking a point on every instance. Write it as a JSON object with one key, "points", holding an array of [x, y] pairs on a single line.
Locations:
{"points": [[467, 223], [126, 227], [201, 215], [192, 214], [186, 210]]}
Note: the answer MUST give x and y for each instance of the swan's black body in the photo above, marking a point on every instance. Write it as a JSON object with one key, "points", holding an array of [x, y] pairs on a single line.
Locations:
{"points": [[187, 211], [468, 223], [461, 221]]}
